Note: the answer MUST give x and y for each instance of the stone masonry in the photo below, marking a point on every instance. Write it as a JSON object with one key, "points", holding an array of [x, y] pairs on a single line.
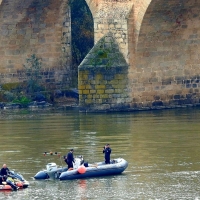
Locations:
{"points": [[103, 78], [42, 28], [159, 40]]}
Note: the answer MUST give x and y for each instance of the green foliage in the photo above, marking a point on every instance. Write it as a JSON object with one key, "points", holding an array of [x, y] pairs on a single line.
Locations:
{"points": [[10, 91], [33, 69], [102, 54], [20, 91], [22, 100]]}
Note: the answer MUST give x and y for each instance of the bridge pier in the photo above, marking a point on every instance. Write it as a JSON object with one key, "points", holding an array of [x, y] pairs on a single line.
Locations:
{"points": [[103, 75], [159, 41]]}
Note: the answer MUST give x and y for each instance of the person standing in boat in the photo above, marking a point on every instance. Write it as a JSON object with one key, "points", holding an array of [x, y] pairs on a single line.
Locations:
{"points": [[69, 159], [107, 151]]}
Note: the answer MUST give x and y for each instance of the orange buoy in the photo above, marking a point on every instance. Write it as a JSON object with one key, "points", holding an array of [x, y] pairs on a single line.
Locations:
{"points": [[81, 169], [19, 184]]}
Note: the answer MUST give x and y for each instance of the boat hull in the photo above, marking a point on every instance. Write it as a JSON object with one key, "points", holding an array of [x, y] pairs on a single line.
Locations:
{"points": [[41, 175], [5, 187], [101, 169], [21, 185], [117, 166], [50, 174]]}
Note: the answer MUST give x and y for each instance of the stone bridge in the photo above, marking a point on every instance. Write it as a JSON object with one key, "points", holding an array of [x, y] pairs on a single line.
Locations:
{"points": [[146, 52], [159, 41]]}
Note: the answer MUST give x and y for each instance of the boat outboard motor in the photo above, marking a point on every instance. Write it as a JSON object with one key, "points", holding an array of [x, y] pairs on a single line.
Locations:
{"points": [[78, 162], [52, 170], [51, 167]]}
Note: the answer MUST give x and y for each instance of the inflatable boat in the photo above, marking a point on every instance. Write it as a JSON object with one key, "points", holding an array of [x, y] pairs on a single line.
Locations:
{"points": [[82, 170], [16, 179]]}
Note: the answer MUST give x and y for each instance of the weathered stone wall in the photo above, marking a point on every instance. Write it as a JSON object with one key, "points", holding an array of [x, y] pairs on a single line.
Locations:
{"points": [[35, 27], [103, 78], [111, 17], [109, 85], [159, 40], [167, 71]]}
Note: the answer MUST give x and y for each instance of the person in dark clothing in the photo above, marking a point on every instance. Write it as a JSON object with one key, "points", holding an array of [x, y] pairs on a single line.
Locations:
{"points": [[4, 170], [107, 151], [4, 175], [69, 159]]}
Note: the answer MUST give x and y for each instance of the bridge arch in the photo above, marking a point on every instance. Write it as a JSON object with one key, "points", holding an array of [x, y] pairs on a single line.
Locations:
{"points": [[166, 67], [161, 48], [93, 5]]}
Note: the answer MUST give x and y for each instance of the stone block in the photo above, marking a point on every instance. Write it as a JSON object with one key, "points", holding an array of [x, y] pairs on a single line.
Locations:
{"points": [[119, 86], [100, 91], [80, 92], [114, 82], [95, 96], [97, 87], [98, 101], [89, 96], [88, 101], [86, 91], [88, 87], [103, 96], [93, 91], [109, 91], [118, 91]]}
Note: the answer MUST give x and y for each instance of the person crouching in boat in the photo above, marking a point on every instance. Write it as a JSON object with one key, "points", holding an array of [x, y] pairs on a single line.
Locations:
{"points": [[107, 151], [4, 177], [69, 159]]}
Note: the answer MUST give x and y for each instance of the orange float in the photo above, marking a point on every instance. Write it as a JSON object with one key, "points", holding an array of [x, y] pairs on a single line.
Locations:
{"points": [[81, 169]]}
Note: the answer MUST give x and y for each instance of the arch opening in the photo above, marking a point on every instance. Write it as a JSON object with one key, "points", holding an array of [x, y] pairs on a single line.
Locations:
{"points": [[82, 31], [167, 54]]}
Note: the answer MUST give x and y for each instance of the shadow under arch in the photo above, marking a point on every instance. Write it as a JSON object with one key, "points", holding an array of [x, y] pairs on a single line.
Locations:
{"points": [[82, 30]]}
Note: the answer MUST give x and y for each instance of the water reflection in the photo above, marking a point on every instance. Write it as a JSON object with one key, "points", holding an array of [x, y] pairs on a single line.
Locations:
{"points": [[161, 148]]}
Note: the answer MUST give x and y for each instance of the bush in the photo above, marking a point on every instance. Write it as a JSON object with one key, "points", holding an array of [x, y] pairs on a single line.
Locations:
{"points": [[33, 69], [24, 101]]}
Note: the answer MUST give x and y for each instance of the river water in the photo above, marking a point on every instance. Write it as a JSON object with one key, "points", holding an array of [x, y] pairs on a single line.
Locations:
{"points": [[162, 148]]}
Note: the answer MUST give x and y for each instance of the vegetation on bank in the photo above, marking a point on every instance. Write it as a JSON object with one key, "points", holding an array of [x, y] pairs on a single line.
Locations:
{"points": [[32, 89], [21, 92]]}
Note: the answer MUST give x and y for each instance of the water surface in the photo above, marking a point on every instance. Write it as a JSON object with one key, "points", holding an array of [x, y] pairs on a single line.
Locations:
{"points": [[162, 148]]}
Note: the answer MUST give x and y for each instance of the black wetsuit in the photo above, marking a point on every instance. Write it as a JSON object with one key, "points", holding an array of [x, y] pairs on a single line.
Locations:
{"points": [[107, 152], [4, 174], [4, 171], [69, 159]]}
